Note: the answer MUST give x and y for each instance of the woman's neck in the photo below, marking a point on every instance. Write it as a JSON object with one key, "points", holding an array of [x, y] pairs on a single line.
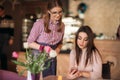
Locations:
{"points": [[84, 49]]}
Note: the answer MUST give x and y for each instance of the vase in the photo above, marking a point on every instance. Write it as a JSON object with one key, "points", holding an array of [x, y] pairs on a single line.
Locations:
{"points": [[31, 76], [35, 76]]}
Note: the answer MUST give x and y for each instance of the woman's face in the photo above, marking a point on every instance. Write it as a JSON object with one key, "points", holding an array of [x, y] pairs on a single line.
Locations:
{"points": [[55, 13], [82, 40]]}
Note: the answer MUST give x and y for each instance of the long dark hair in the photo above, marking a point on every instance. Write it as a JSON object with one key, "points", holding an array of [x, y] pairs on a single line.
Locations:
{"points": [[90, 46], [46, 17], [118, 32]]}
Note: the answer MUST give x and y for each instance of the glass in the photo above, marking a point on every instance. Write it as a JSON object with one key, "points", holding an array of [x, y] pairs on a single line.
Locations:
{"points": [[55, 12]]}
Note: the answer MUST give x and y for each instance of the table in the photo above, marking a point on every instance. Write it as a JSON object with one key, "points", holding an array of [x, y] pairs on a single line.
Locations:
{"points": [[64, 78], [52, 77]]}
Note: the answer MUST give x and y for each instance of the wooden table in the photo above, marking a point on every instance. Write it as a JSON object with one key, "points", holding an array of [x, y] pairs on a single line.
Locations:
{"points": [[64, 78], [55, 78], [61, 78]]}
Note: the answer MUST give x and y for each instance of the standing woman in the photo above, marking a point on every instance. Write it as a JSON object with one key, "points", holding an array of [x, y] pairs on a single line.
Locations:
{"points": [[85, 59], [48, 31]]}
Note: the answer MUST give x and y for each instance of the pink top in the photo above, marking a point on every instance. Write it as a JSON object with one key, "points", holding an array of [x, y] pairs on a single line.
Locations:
{"points": [[39, 35], [95, 69]]}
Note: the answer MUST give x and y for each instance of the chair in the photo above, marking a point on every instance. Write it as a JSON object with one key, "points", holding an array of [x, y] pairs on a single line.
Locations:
{"points": [[106, 73], [8, 75]]}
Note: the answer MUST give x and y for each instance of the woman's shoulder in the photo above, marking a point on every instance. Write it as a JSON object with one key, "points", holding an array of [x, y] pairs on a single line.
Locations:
{"points": [[72, 51], [96, 54], [39, 21], [38, 24]]}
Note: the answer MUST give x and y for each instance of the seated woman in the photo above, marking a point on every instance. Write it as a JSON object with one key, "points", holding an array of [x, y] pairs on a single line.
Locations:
{"points": [[85, 59]]}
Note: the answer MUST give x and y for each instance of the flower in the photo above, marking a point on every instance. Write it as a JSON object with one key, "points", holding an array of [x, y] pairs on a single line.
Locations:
{"points": [[52, 53], [47, 49], [25, 45], [15, 54], [35, 64]]}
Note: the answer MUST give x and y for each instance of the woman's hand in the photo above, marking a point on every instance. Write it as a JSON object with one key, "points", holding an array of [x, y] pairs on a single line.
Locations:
{"points": [[84, 74], [74, 73]]}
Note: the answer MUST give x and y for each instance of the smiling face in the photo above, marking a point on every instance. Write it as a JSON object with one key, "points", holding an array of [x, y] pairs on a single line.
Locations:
{"points": [[82, 40], [55, 13]]}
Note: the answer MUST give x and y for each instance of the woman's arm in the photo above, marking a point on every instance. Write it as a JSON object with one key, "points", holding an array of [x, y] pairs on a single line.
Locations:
{"points": [[34, 34], [97, 66], [34, 45], [58, 48], [73, 71]]}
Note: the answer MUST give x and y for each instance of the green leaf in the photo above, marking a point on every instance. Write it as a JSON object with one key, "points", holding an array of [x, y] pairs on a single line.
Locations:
{"points": [[22, 72], [35, 64], [19, 63]]}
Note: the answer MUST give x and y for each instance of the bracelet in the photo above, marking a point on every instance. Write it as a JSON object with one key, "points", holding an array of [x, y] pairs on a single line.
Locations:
{"points": [[41, 48]]}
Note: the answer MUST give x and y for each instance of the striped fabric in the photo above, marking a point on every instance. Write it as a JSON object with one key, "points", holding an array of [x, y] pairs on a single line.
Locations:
{"points": [[37, 33]]}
